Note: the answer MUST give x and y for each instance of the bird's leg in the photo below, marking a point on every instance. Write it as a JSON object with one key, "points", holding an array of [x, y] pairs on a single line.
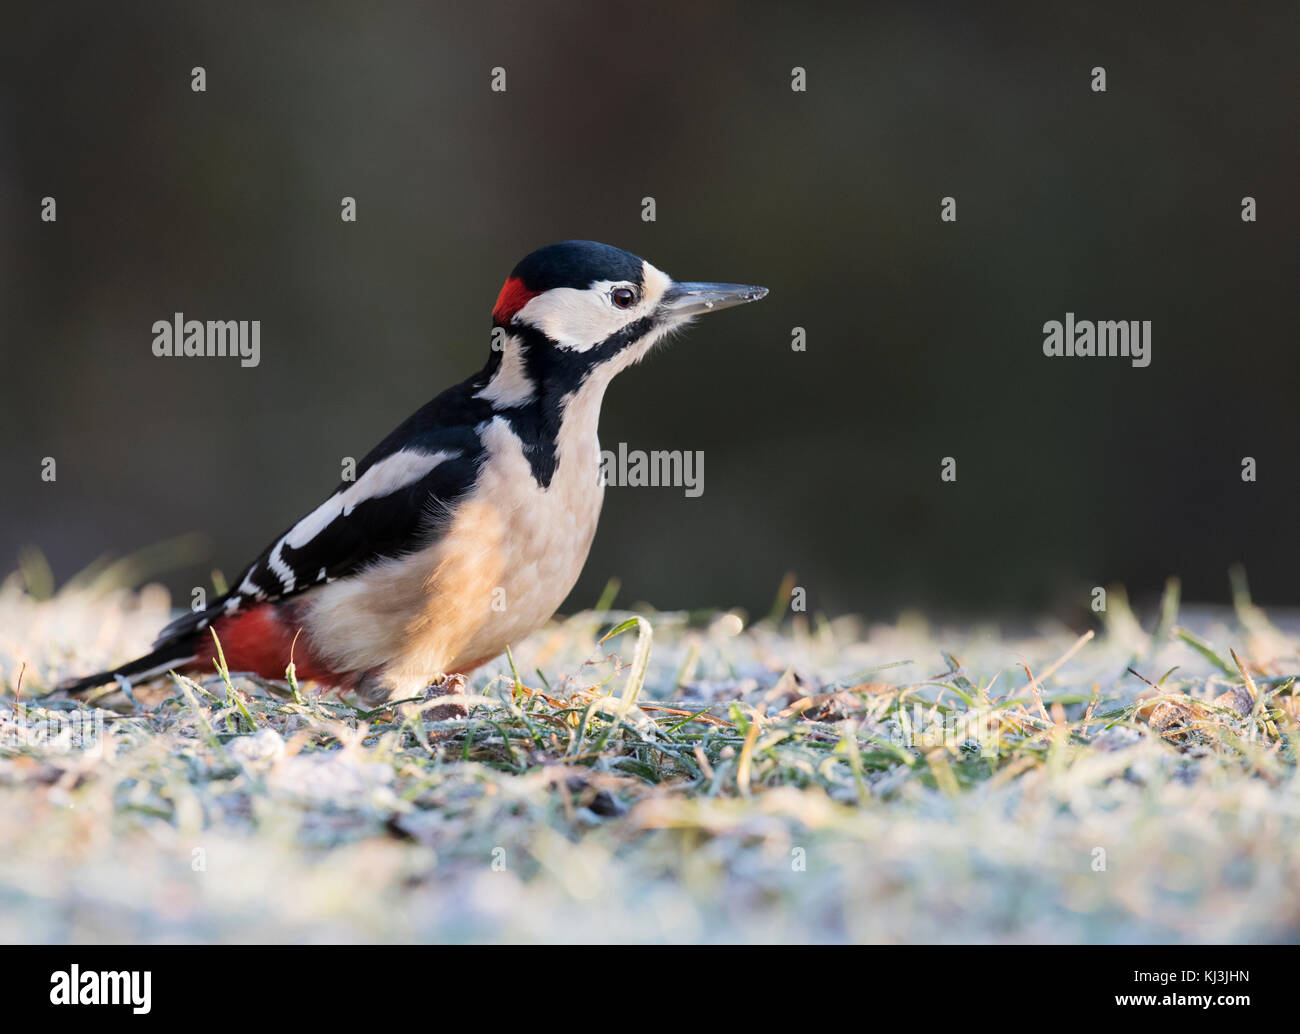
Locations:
{"points": [[371, 688]]}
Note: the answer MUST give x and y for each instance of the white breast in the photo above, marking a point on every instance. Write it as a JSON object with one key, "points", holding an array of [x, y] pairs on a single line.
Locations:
{"points": [[545, 534]]}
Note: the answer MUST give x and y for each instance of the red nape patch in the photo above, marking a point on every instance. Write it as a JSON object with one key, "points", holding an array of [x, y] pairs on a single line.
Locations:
{"points": [[259, 641], [513, 297]]}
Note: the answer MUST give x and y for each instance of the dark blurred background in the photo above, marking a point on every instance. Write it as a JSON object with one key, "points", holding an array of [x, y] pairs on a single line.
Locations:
{"points": [[924, 338]]}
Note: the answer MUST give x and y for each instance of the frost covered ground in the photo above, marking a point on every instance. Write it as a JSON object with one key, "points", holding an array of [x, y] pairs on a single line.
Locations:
{"points": [[690, 778]]}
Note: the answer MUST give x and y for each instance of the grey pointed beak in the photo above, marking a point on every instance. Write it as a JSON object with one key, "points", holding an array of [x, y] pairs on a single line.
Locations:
{"points": [[691, 299]]}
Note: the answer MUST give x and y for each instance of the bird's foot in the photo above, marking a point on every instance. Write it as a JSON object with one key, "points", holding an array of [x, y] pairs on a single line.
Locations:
{"points": [[445, 686]]}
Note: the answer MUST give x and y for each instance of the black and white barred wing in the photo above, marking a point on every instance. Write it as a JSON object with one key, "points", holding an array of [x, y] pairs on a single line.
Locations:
{"points": [[392, 508]]}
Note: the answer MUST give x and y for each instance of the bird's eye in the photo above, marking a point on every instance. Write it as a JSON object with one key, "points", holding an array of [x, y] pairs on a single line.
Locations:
{"points": [[623, 297]]}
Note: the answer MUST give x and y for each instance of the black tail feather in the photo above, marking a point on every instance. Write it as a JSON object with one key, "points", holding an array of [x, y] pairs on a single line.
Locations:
{"points": [[166, 657]]}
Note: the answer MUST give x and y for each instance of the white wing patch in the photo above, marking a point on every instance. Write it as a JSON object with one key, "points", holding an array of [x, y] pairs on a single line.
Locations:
{"points": [[389, 475]]}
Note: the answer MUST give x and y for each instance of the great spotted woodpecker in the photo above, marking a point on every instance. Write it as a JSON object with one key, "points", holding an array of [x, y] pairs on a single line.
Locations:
{"points": [[466, 527]]}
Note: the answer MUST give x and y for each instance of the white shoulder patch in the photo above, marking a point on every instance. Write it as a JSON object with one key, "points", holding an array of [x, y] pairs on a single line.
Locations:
{"points": [[389, 475]]}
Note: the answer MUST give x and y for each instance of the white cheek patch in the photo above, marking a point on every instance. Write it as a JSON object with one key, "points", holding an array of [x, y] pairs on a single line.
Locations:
{"points": [[573, 318], [581, 319]]}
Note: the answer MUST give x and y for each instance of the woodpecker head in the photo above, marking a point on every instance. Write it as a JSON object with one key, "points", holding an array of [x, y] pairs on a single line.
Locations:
{"points": [[586, 309]]}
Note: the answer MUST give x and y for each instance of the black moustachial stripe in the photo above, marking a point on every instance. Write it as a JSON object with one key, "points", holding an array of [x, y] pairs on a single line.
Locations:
{"points": [[556, 374]]}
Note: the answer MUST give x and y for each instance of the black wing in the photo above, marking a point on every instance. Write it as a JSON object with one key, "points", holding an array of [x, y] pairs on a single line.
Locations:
{"points": [[402, 488]]}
